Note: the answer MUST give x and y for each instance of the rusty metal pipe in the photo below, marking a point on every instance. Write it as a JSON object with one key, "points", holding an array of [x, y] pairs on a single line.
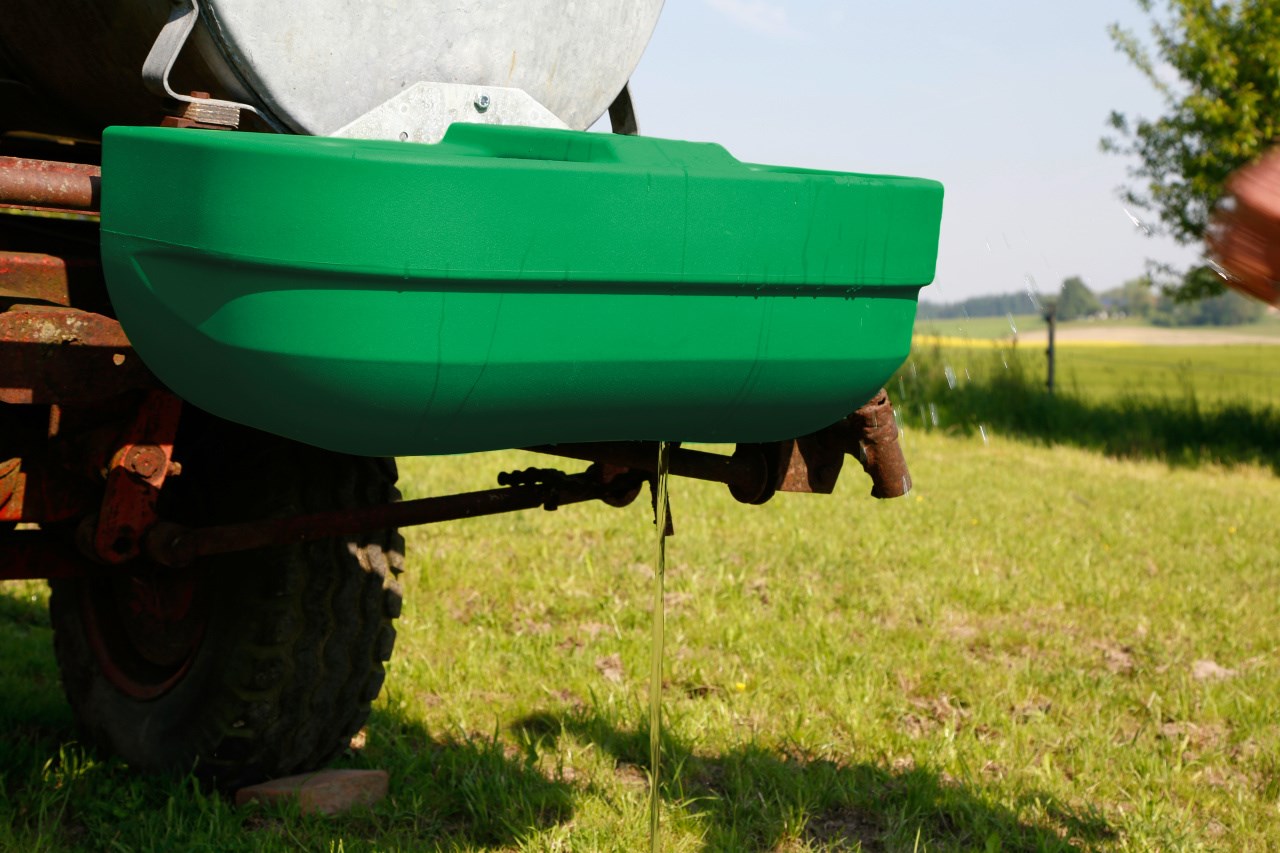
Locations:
{"points": [[743, 472], [48, 183], [175, 545]]}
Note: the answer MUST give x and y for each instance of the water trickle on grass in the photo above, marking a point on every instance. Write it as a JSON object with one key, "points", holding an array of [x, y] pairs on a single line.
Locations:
{"points": [[661, 514]]}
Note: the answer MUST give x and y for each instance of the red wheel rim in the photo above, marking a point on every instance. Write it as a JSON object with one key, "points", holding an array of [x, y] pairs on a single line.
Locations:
{"points": [[145, 630]]}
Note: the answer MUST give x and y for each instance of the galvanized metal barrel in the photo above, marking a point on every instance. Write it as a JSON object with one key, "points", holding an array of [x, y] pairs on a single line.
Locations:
{"points": [[313, 66]]}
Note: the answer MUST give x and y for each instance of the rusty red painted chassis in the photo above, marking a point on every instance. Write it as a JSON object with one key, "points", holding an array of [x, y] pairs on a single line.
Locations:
{"points": [[87, 433]]}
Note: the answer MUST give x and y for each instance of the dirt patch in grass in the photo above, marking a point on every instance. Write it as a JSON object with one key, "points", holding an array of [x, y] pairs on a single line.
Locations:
{"points": [[844, 829]]}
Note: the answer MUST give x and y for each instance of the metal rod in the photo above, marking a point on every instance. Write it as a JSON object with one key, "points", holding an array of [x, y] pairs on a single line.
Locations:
{"points": [[48, 183], [1051, 317], [174, 545], [745, 472]]}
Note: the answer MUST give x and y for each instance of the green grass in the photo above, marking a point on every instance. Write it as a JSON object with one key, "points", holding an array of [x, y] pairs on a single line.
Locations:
{"points": [[1183, 405], [1215, 375], [1005, 660]]}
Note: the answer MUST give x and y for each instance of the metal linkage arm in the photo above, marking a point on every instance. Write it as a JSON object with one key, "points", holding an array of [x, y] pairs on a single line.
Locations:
{"points": [[175, 545]]}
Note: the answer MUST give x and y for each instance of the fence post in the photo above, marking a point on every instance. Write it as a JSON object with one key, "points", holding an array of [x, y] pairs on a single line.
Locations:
{"points": [[1051, 317]]}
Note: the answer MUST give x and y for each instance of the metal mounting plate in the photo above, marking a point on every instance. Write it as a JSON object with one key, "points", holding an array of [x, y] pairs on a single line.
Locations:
{"points": [[424, 111]]}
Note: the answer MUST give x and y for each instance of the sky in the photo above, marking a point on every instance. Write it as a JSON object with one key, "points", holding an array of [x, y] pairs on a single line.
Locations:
{"points": [[1003, 101]]}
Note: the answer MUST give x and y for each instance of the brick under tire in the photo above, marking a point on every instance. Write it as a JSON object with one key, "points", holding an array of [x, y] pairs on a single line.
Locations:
{"points": [[246, 666]]}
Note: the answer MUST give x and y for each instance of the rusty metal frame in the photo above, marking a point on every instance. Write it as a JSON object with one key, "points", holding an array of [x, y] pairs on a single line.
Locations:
{"points": [[29, 275], [50, 185], [811, 463], [753, 473], [51, 354], [135, 476], [128, 524]]}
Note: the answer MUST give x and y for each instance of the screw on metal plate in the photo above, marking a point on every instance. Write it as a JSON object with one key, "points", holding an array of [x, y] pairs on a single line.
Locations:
{"points": [[482, 103]]}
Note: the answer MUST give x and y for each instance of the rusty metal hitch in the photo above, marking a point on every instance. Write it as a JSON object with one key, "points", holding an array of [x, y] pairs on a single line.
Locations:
{"points": [[755, 472], [871, 436]]}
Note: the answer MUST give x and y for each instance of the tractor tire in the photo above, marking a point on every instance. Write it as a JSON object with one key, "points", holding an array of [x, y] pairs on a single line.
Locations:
{"points": [[245, 666]]}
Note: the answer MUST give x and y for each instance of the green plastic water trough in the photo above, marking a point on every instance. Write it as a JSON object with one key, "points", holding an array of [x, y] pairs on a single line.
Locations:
{"points": [[508, 286]]}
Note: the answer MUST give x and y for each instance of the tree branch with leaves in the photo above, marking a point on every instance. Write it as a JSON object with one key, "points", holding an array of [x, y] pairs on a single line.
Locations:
{"points": [[1217, 67]]}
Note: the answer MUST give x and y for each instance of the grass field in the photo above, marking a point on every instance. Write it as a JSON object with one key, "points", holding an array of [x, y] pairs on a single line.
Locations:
{"points": [[1044, 647], [1247, 375], [1003, 328]]}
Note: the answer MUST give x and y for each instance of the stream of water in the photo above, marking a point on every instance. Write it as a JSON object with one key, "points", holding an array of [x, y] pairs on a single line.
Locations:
{"points": [[661, 513]]}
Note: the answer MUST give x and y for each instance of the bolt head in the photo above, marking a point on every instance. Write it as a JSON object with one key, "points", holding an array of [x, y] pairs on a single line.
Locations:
{"points": [[145, 461], [482, 103]]}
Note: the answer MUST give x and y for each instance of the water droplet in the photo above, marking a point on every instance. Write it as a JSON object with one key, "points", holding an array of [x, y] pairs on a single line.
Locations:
{"points": [[967, 377], [1137, 223], [915, 374], [1033, 291], [983, 432], [933, 414], [1220, 270], [1005, 360], [951, 377], [1013, 327]]}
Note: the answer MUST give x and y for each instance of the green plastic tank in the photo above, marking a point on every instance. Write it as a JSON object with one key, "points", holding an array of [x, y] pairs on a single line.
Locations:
{"points": [[508, 286]]}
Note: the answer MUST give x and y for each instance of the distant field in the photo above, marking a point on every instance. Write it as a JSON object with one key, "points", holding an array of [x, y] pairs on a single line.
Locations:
{"points": [[981, 328], [1213, 375], [1266, 326], [1004, 328]]}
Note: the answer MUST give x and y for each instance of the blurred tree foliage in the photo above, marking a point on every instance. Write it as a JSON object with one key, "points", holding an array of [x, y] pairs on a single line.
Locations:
{"points": [[980, 306], [1076, 301], [1225, 309], [1217, 65], [1134, 298]]}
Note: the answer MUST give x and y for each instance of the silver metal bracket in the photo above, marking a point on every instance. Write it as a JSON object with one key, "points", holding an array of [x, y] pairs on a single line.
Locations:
{"points": [[164, 53], [424, 111]]}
